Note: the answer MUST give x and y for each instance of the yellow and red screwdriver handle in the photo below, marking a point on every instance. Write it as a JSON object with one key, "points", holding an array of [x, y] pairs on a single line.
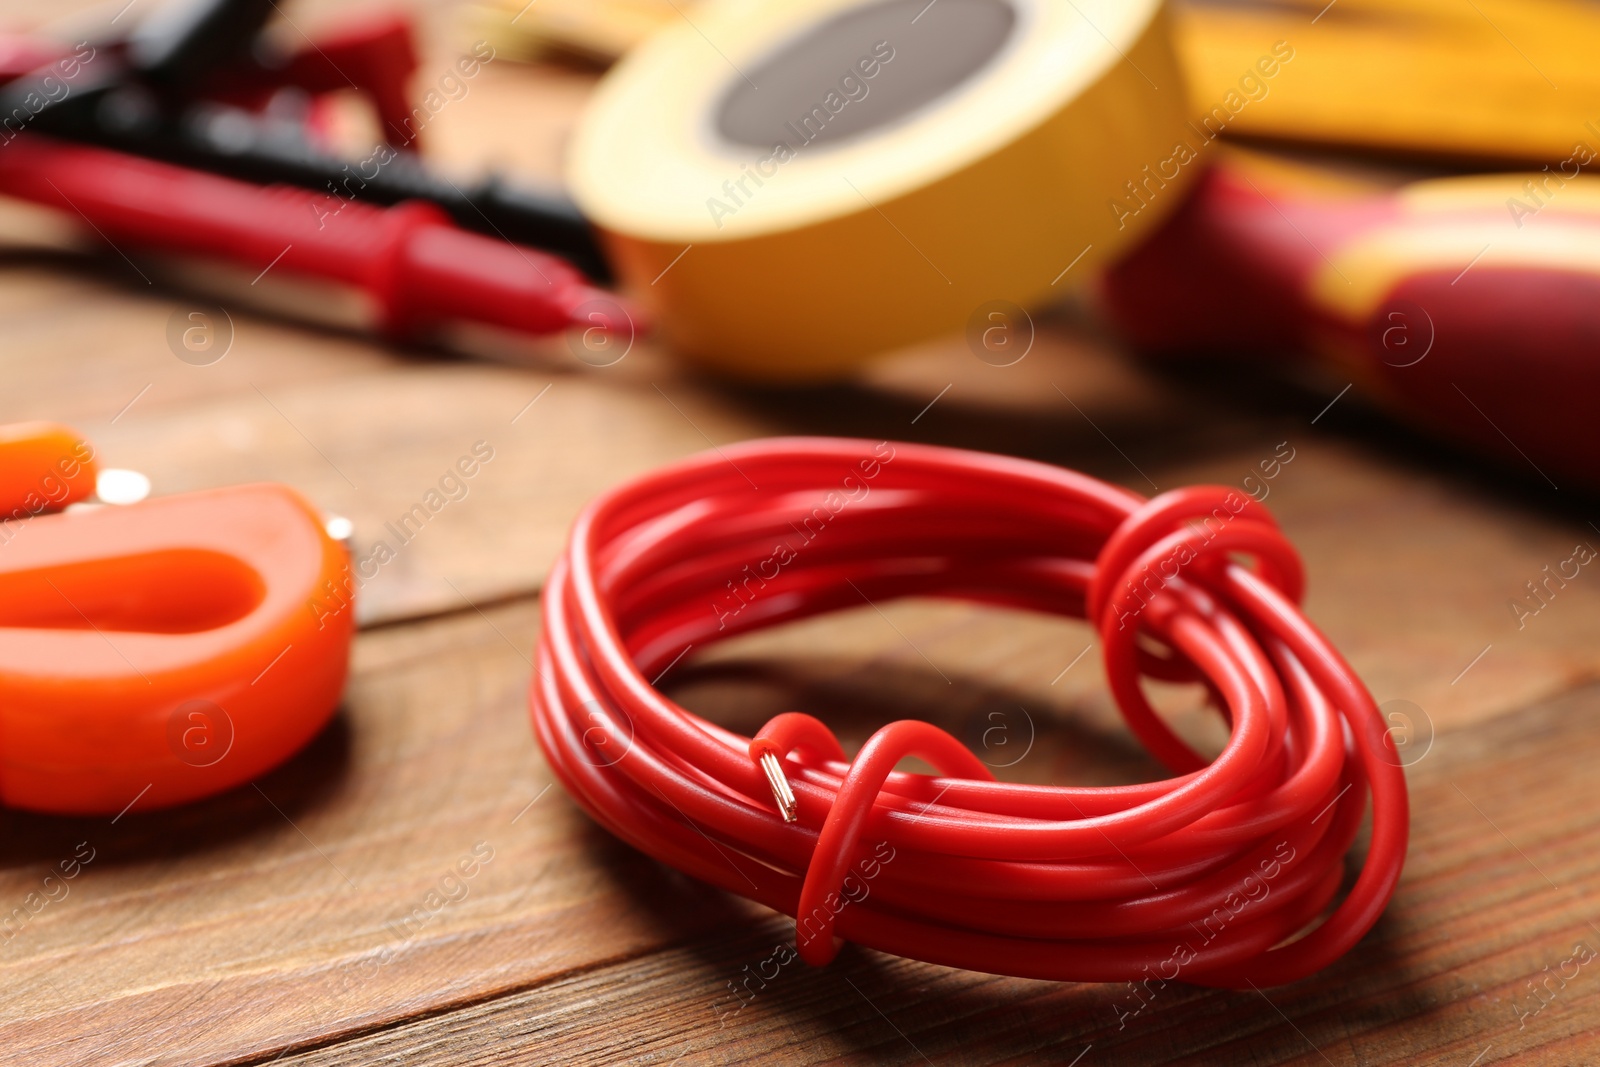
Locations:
{"points": [[1470, 304]]}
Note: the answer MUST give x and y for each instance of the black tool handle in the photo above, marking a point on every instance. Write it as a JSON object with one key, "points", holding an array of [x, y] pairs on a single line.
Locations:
{"points": [[182, 41]]}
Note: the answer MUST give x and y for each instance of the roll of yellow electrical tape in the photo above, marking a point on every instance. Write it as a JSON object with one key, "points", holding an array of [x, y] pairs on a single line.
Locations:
{"points": [[794, 187]]}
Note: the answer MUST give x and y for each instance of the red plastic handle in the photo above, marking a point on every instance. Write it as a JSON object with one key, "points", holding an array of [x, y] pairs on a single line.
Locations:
{"points": [[1444, 299], [167, 650], [374, 54], [419, 269]]}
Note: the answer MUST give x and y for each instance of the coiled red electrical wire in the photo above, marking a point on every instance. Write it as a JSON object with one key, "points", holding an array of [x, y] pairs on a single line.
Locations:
{"points": [[1224, 874]]}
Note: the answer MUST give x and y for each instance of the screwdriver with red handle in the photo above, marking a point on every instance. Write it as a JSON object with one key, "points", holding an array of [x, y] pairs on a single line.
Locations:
{"points": [[420, 270], [1468, 304]]}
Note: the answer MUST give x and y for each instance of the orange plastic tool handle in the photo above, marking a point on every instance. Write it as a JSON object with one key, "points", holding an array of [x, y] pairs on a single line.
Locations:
{"points": [[44, 466], [167, 650]]}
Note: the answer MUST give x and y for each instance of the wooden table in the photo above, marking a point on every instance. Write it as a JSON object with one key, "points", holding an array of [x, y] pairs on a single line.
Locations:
{"points": [[297, 920]]}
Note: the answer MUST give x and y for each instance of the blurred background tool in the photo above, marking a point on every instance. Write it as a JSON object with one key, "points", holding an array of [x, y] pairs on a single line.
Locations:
{"points": [[196, 84], [835, 179], [416, 270], [1485, 80], [1490, 80], [1445, 299], [42, 468], [1437, 299], [872, 198], [162, 651], [593, 31]]}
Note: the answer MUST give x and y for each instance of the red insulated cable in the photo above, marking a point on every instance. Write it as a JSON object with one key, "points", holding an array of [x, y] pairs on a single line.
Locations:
{"points": [[1224, 874]]}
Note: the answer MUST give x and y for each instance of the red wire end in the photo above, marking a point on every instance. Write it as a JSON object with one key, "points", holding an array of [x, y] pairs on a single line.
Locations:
{"points": [[780, 785]]}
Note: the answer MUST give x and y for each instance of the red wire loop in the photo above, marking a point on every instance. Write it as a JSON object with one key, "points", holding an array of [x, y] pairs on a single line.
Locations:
{"points": [[1224, 874]]}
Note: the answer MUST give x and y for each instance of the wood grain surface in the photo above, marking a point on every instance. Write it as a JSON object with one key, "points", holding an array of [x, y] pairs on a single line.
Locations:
{"points": [[325, 915]]}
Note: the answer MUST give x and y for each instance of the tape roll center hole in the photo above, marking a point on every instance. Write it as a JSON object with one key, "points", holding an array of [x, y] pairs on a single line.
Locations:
{"points": [[862, 70]]}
